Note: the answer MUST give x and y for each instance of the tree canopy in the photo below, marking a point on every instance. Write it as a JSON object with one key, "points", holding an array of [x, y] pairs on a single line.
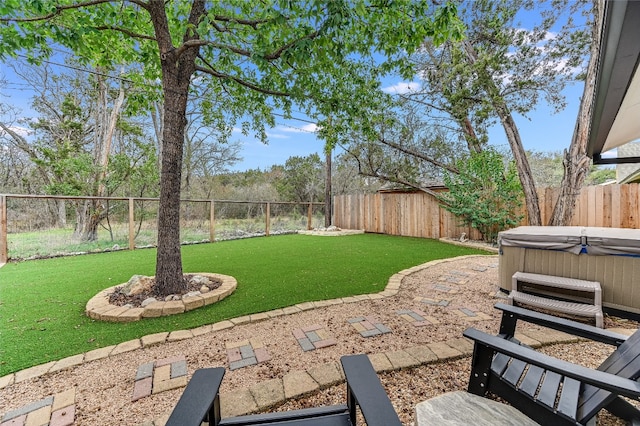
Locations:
{"points": [[501, 69], [326, 57]]}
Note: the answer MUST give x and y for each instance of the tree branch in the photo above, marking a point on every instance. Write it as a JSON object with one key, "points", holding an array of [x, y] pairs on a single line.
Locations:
{"points": [[126, 32], [277, 53], [419, 155], [253, 23], [398, 180], [199, 42], [240, 81], [59, 10], [382, 176]]}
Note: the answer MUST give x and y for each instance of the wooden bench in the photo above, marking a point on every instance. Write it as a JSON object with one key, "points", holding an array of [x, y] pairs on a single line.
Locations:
{"points": [[567, 295]]}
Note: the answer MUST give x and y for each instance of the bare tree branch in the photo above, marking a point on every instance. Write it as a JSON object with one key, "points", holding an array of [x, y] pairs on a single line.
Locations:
{"points": [[395, 179], [419, 155]]}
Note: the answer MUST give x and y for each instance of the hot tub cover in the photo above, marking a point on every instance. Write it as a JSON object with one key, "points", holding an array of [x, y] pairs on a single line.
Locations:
{"points": [[574, 239]]}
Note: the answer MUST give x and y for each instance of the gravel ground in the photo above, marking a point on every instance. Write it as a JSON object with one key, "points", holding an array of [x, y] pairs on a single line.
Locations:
{"points": [[104, 387]]}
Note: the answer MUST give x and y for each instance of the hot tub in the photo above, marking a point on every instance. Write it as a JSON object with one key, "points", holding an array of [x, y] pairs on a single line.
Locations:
{"points": [[610, 256]]}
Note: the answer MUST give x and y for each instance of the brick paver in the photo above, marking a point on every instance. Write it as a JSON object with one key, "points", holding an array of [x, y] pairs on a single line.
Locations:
{"points": [[470, 315], [159, 376], [417, 318], [433, 302], [453, 278], [54, 410], [368, 326], [313, 337], [245, 353], [445, 288], [170, 373]]}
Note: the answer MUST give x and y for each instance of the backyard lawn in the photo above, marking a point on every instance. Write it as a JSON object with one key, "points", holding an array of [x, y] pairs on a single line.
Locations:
{"points": [[42, 301]]}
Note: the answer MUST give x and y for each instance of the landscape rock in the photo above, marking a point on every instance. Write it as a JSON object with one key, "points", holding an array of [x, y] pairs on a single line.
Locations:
{"points": [[199, 279], [137, 284], [204, 289], [148, 301]]}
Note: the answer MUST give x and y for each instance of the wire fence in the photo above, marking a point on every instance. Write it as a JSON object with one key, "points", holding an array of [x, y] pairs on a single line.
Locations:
{"points": [[35, 226]]}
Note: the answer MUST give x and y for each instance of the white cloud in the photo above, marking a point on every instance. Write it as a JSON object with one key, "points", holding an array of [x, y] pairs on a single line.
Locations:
{"points": [[307, 128], [277, 136], [402, 87], [20, 131], [529, 35]]}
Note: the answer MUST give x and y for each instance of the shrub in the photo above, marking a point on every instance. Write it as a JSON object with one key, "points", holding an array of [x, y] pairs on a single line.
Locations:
{"points": [[486, 193]]}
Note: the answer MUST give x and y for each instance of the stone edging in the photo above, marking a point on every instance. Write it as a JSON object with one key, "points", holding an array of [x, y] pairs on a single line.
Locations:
{"points": [[295, 384], [99, 308], [269, 393], [470, 244], [392, 288]]}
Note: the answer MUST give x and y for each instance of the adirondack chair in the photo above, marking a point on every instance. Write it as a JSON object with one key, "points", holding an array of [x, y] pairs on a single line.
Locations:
{"points": [[200, 402], [552, 391]]}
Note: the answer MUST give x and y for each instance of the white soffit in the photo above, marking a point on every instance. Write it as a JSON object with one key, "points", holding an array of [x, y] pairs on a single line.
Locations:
{"points": [[626, 126]]}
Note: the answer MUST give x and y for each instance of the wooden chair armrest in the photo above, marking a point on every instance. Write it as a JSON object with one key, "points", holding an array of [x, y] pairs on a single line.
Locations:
{"points": [[200, 399], [600, 379], [511, 314], [364, 389]]}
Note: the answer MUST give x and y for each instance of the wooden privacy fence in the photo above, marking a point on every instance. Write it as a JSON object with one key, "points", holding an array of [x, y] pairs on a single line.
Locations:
{"points": [[609, 206], [419, 214], [415, 214], [4, 255]]}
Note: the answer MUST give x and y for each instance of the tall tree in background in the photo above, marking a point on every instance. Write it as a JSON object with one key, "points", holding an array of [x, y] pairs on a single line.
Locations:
{"points": [[302, 179], [499, 71], [316, 54], [576, 163], [74, 139]]}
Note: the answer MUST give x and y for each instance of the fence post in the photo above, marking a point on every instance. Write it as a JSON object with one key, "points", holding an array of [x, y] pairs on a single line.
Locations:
{"points": [[4, 255], [212, 223], [267, 229], [309, 216], [132, 242]]}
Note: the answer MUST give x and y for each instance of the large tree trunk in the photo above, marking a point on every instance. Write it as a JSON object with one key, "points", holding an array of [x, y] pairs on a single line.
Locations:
{"points": [[522, 164], [105, 125], [515, 142], [178, 65], [576, 163], [61, 218], [328, 201], [157, 117]]}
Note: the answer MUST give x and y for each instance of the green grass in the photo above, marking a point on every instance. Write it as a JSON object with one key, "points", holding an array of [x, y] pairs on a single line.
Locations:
{"points": [[42, 302]]}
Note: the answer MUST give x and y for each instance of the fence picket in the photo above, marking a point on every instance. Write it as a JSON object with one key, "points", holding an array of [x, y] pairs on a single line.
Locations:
{"points": [[419, 215]]}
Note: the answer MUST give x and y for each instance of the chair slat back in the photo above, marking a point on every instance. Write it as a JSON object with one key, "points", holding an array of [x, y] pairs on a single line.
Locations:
{"points": [[623, 362]]}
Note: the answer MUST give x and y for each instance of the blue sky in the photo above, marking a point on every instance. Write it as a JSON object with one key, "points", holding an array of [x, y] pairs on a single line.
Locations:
{"points": [[543, 131]]}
